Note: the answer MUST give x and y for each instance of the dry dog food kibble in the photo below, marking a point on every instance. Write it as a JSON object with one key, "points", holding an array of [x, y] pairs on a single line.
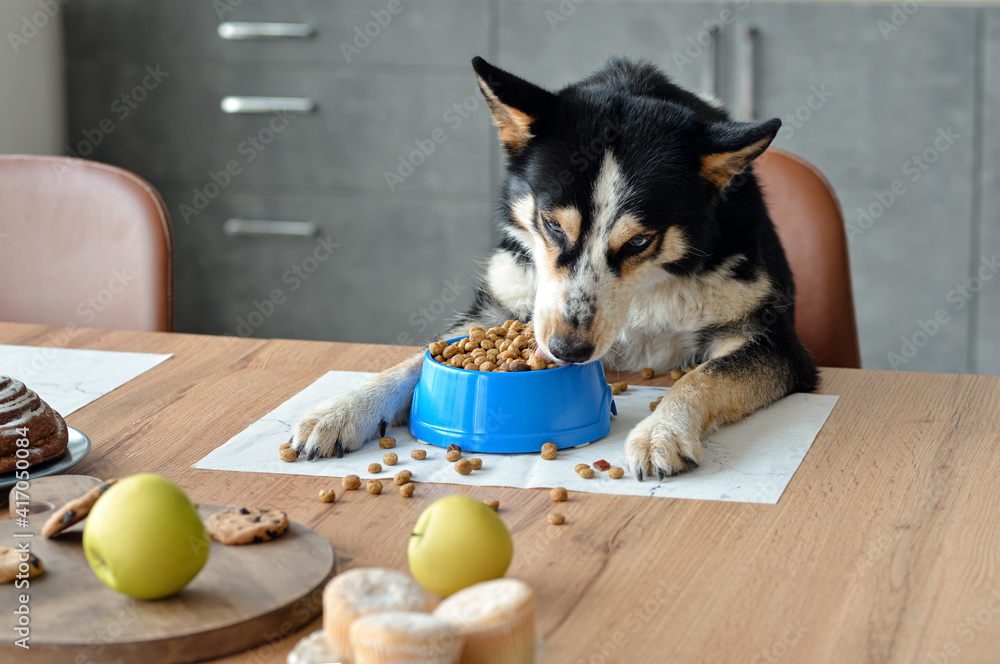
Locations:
{"points": [[580, 466], [374, 468], [285, 446], [616, 473], [419, 455], [402, 477], [494, 505], [558, 494], [654, 404], [509, 347], [618, 388], [387, 442], [557, 519], [406, 490], [351, 482], [549, 451], [601, 464], [464, 467], [288, 454], [587, 473], [476, 462], [374, 487], [675, 374], [646, 373], [453, 455], [327, 495], [390, 459]]}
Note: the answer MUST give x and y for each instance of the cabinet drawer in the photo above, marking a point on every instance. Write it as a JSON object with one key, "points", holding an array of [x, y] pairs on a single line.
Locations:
{"points": [[386, 270], [364, 123], [428, 32]]}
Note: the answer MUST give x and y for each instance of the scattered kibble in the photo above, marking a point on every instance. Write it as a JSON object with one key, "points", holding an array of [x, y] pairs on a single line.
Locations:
{"points": [[676, 374], [453, 455], [580, 466], [647, 373], [587, 473], [406, 490], [387, 442], [454, 447], [476, 462], [494, 505], [327, 495], [558, 494], [390, 459], [288, 454], [654, 404], [616, 473], [351, 482], [549, 451], [419, 455], [374, 468], [464, 467], [556, 519], [618, 388], [601, 464], [688, 370], [374, 487], [402, 477], [285, 446]]}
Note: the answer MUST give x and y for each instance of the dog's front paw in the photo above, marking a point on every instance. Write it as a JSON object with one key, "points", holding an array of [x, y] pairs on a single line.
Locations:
{"points": [[340, 425], [665, 443]]}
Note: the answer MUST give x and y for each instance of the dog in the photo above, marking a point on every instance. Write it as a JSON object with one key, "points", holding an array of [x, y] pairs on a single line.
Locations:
{"points": [[634, 233]]}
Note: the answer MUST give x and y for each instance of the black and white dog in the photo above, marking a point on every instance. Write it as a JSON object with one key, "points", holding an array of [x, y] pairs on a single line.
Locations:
{"points": [[634, 232]]}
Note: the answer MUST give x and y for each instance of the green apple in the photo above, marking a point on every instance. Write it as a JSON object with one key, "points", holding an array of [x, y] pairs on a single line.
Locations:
{"points": [[457, 542], [144, 538]]}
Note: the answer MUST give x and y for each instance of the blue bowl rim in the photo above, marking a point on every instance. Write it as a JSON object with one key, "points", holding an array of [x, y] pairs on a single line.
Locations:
{"points": [[428, 356]]}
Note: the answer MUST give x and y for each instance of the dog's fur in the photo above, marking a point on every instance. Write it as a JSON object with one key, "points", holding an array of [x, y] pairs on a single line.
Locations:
{"points": [[632, 231]]}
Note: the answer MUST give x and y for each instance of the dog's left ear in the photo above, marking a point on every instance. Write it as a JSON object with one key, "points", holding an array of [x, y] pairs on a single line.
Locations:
{"points": [[516, 104], [732, 146]]}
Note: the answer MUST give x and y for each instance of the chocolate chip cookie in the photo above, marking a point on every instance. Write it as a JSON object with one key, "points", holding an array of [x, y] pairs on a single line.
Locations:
{"points": [[246, 526], [74, 511], [10, 561]]}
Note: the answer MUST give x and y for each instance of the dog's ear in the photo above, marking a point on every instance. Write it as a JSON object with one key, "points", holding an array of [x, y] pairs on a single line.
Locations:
{"points": [[516, 104], [732, 146]]}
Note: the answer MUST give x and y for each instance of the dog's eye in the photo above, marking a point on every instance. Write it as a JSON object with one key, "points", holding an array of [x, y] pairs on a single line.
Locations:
{"points": [[639, 241], [552, 227]]}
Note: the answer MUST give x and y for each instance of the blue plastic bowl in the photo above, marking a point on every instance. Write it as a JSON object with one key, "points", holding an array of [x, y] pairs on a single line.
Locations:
{"points": [[506, 412]]}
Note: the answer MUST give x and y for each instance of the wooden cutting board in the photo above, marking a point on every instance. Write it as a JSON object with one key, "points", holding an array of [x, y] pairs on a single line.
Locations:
{"points": [[245, 596]]}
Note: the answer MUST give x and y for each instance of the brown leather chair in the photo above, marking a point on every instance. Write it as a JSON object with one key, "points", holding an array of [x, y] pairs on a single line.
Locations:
{"points": [[807, 215], [82, 243]]}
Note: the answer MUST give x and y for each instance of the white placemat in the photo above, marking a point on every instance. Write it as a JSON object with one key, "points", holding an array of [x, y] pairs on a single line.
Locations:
{"points": [[67, 378], [751, 461]]}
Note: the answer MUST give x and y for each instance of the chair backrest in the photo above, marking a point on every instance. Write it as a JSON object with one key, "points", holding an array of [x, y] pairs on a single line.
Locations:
{"points": [[806, 213], [82, 243]]}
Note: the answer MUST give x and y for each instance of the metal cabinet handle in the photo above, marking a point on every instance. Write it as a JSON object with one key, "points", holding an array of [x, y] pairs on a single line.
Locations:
{"points": [[268, 104], [709, 66], [749, 38], [264, 227], [239, 31]]}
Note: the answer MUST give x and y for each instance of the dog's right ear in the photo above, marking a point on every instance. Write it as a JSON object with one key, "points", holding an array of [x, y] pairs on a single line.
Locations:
{"points": [[516, 104]]}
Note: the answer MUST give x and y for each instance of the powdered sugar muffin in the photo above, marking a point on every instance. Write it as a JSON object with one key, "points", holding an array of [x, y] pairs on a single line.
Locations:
{"points": [[497, 619], [402, 637], [365, 590]]}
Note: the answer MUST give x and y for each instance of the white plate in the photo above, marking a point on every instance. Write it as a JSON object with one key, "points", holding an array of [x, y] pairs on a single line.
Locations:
{"points": [[77, 448]]}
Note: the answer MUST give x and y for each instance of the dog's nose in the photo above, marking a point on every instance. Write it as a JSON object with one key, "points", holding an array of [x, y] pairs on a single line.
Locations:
{"points": [[571, 350]]}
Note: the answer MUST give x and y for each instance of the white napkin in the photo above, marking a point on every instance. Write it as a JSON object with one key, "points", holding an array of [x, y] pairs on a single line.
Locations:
{"points": [[67, 378], [751, 461]]}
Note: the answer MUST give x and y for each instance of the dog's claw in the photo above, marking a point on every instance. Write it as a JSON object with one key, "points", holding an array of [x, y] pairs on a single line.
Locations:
{"points": [[338, 449], [691, 463], [660, 474], [638, 474], [381, 428], [312, 454]]}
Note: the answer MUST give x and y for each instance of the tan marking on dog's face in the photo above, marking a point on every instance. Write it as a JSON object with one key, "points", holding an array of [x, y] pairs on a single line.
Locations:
{"points": [[514, 125], [625, 229], [721, 167], [569, 220], [674, 246], [523, 212]]}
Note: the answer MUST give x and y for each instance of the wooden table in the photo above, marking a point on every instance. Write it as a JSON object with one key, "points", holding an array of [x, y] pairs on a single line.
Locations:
{"points": [[885, 547]]}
